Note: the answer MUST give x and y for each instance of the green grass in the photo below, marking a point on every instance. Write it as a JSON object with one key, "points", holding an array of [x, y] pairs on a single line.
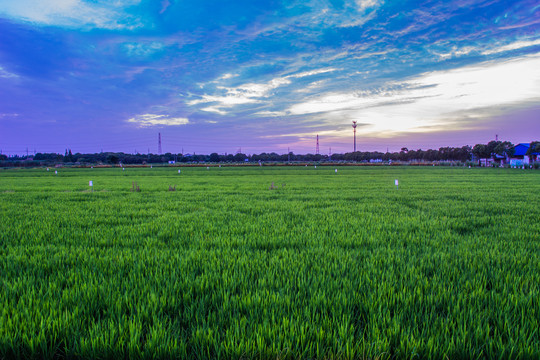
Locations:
{"points": [[327, 266]]}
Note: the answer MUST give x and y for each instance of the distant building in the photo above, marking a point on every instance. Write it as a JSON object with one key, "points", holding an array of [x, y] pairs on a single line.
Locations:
{"points": [[520, 156], [172, 162]]}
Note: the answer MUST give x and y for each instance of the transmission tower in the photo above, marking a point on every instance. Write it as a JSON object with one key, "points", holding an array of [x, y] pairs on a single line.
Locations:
{"points": [[317, 148], [159, 144], [354, 130]]}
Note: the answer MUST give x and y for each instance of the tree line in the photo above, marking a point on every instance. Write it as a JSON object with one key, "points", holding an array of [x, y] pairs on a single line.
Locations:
{"points": [[462, 154]]}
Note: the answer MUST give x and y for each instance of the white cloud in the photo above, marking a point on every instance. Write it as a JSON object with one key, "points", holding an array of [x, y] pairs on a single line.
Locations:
{"points": [[512, 46], [243, 94], [359, 21], [261, 89], [312, 72], [267, 113], [6, 74], [248, 93], [147, 120], [520, 25], [227, 76], [73, 13], [456, 52], [143, 49], [312, 86], [364, 4], [434, 100], [231, 99], [214, 110]]}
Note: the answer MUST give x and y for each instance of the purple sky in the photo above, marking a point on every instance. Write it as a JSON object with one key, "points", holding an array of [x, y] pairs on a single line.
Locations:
{"points": [[266, 76]]}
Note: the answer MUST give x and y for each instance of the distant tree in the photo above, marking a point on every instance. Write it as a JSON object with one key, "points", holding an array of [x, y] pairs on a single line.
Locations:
{"points": [[431, 155], [504, 148], [68, 156], [214, 157], [403, 154], [240, 157], [112, 159], [534, 147], [481, 151]]}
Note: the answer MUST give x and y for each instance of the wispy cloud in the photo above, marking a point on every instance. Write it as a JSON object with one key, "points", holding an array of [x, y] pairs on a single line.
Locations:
{"points": [[364, 4], [521, 24], [267, 113], [512, 46], [8, 115], [249, 93], [74, 13], [147, 120], [137, 49], [6, 74], [311, 73], [243, 94]]}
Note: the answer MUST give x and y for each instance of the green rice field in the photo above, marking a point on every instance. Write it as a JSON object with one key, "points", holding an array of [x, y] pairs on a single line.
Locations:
{"points": [[321, 265]]}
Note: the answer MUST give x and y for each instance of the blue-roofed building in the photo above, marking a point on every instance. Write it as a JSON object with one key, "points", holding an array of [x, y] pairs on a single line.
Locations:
{"points": [[520, 156]]}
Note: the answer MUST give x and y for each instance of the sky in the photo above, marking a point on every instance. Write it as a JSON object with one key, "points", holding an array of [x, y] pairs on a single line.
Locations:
{"points": [[266, 76]]}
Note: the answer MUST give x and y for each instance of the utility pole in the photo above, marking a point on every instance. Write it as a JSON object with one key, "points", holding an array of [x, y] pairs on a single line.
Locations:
{"points": [[354, 130], [288, 154], [159, 143], [317, 148]]}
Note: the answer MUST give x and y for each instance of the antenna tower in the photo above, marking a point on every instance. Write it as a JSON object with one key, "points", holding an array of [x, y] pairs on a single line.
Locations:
{"points": [[317, 148], [159, 144], [496, 137], [354, 130]]}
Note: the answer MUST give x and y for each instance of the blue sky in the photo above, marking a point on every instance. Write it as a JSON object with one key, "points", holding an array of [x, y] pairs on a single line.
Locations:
{"points": [[266, 76]]}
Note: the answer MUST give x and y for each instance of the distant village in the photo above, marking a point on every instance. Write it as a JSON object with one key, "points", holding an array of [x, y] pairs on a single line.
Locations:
{"points": [[493, 154]]}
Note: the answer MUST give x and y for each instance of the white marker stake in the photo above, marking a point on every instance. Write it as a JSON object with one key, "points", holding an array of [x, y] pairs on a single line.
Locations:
{"points": [[123, 169], [397, 183], [179, 171], [55, 172], [207, 168], [150, 166], [336, 171], [315, 166], [91, 184]]}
